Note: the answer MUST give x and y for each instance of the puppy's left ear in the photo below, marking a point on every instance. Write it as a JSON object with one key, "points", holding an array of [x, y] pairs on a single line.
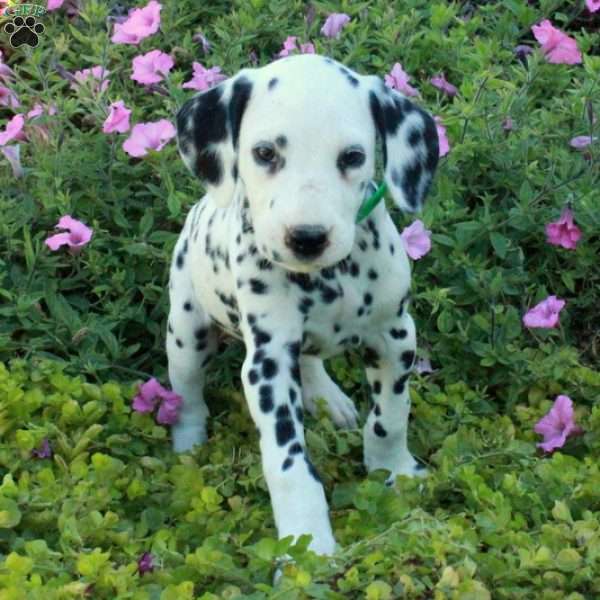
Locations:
{"points": [[410, 144]]}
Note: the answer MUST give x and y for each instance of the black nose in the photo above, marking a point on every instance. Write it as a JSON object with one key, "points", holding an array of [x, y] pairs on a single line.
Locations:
{"points": [[306, 241]]}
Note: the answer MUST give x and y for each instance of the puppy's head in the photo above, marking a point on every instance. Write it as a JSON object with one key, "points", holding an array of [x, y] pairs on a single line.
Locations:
{"points": [[298, 139]]}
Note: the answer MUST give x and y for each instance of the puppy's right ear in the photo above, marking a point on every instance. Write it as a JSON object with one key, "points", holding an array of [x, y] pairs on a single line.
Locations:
{"points": [[208, 129]]}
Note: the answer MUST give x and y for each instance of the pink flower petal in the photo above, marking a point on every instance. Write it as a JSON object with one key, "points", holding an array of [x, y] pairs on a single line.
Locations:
{"points": [[203, 78], [13, 130], [149, 136], [557, 46], [557, 425], [288, 46], [544, 315], [439, 81], [77, 236], [416, 239], [118, 118], [141, 23], [151, 67], [54, 4], [334, 24], [563, 232], [13, 154], [96, 78], [582, 141], [8, 98], [168, 412], [444, 144], [592, 5], [397, 79]]}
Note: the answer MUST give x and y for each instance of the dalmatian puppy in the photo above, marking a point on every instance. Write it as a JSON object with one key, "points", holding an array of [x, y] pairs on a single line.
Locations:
{"points": [[272, 255]]}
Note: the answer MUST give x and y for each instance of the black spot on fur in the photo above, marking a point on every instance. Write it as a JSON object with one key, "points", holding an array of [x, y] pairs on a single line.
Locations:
{"points": [[305, 304], [398, 334], [287, 463], [377, 410], [377, 387], [260, 337], [414, 137], [379, 430], [368, 298], [269, 368], [284, 431], [187, 306], [372, 274], [265, 398], [259, 356], [408, 358], [251, 319], [399, 384], [180, 260], [392, 250], [371, 358], [200, 346], [299, 414], [179, 343], [295, 448], [281, 141], [363, 245], [302, 280], [292, 395], [328, 294], [169, 328], [354, 269], [240, 95], [257, 286], [336, 327], [253, 376], [328, 273], [272, 83]]}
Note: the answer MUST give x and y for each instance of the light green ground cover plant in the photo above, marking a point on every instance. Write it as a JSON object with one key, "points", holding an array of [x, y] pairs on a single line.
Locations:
{"points": [[497, 518]]}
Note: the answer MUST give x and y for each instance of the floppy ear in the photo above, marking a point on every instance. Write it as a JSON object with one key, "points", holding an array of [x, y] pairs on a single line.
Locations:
{"points": [[208, 128], [410, 145]]}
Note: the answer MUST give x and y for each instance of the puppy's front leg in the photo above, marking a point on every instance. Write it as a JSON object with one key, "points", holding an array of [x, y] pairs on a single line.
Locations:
{"points": [[271, 379]]}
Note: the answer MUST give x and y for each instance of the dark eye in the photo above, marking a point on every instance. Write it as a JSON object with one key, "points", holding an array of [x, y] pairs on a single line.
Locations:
{"points": [[264, 154], [351, 158]]}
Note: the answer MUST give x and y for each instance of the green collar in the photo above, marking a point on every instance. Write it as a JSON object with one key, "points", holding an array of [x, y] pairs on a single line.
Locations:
{"points": [[371, 202]]}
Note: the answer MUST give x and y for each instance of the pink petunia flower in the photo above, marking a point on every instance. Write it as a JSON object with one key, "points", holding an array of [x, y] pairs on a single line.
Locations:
{"points": [[13, 155], [38, 110], [54, 4], [558, 47], [439, 81], [592, 5], [334, 24], [582, 141], [557, 425], [444, 144], [203, 78], [151, 67], [97, 75], [149, 136], [141, 23], [308, 48], [522, 50], [118, 118], [8, 98], [563, 232], [151, 393], [288, 46], [44, 450], [13, 130], [416, 239], [77, 236], [397, 79], [507, 124], [545, 314], [145, 563]]}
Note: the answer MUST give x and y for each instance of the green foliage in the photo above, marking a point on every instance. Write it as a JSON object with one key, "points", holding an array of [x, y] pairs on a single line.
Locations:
{"points": [[494, 519]]}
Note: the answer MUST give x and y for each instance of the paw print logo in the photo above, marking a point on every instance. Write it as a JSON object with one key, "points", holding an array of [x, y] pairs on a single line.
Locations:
{"points": [[24, 31]]}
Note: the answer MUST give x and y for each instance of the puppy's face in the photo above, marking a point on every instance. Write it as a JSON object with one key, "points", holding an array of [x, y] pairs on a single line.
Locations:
{"points": [[306, 153], [297, 139]]}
